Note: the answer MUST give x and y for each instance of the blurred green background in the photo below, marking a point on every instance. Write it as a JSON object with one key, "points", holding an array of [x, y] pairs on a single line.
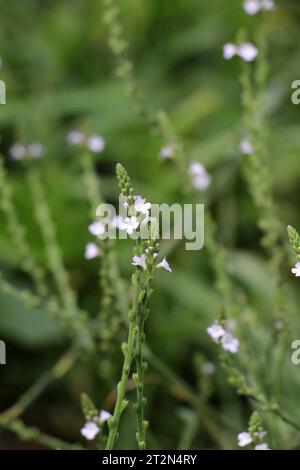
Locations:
{"points": [[59, 73]]}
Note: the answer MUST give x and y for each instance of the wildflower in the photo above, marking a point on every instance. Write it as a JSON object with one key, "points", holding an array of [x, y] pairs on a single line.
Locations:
{"points": [[91, 251], [247, 51], [140, 261], [35, 150], [296, 270], [164, 264], [244, 439], [90, 430], [252, 7], [96, 143], [141, 206], [263, 446], [104, 416], [75, 137], [130, 224], [208, 368], [166, 152], [246, 147], [97, 228], [199, 176], [229, 51], [216, 331], [17, 151], [230, 343]]}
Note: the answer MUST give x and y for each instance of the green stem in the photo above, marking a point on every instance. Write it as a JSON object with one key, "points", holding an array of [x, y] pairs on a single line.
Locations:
{"points": [[63, 365], [140, 404], [128, 350]]}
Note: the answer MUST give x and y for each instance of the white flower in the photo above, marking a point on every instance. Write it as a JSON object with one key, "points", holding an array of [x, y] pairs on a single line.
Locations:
{"points": [[229, 51], [296, 270], [17, 151], [130, 224], [246, 147], [252, 7], [90, 430], [166, 152], [268, 5], [208, 368], [216, 331], [91, 251], [140, 261], [247, 51], [96, 143], [97, 228], [141, 206], [75, 137], [104, 416], [164, 264], [263, 446], [199, 177], [230, 343], [244, 439], [35, 150]]}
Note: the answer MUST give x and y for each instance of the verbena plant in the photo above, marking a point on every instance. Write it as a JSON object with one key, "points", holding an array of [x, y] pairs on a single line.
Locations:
{"points": [[253, 353]]}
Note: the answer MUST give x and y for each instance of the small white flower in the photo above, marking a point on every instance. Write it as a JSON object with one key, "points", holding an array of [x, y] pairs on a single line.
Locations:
{"points": [[35, 150], [208, 368], [199, 177], [140, 261], [216, 331], [141, 206], [17, 151], [268, 5], [247, 51], [104, 416], [75, 137], [130, 224], [229, 51], [155, 255], [166, 152], [252, 7], [97, 228], [90, 430], [230, 343], [96, 143], [164, 264], [246, 147], [201, 182], [296, 270], [91, 251], [244, 439], [263, 446]]}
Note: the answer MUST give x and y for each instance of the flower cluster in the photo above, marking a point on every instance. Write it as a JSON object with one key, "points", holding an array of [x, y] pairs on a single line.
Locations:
{"points": [[95, 143], [246, 51], [225, 338], [252, 7], [19, 151], [92, 428], [199, 177]]}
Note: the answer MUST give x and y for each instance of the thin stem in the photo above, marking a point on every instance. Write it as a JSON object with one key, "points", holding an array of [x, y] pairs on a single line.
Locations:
{"points": [[128, 350], [33, 434], [63, 365]]}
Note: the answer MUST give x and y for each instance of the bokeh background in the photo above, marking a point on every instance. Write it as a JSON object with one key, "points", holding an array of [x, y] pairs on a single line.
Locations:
{"points": [[59, 73]]}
